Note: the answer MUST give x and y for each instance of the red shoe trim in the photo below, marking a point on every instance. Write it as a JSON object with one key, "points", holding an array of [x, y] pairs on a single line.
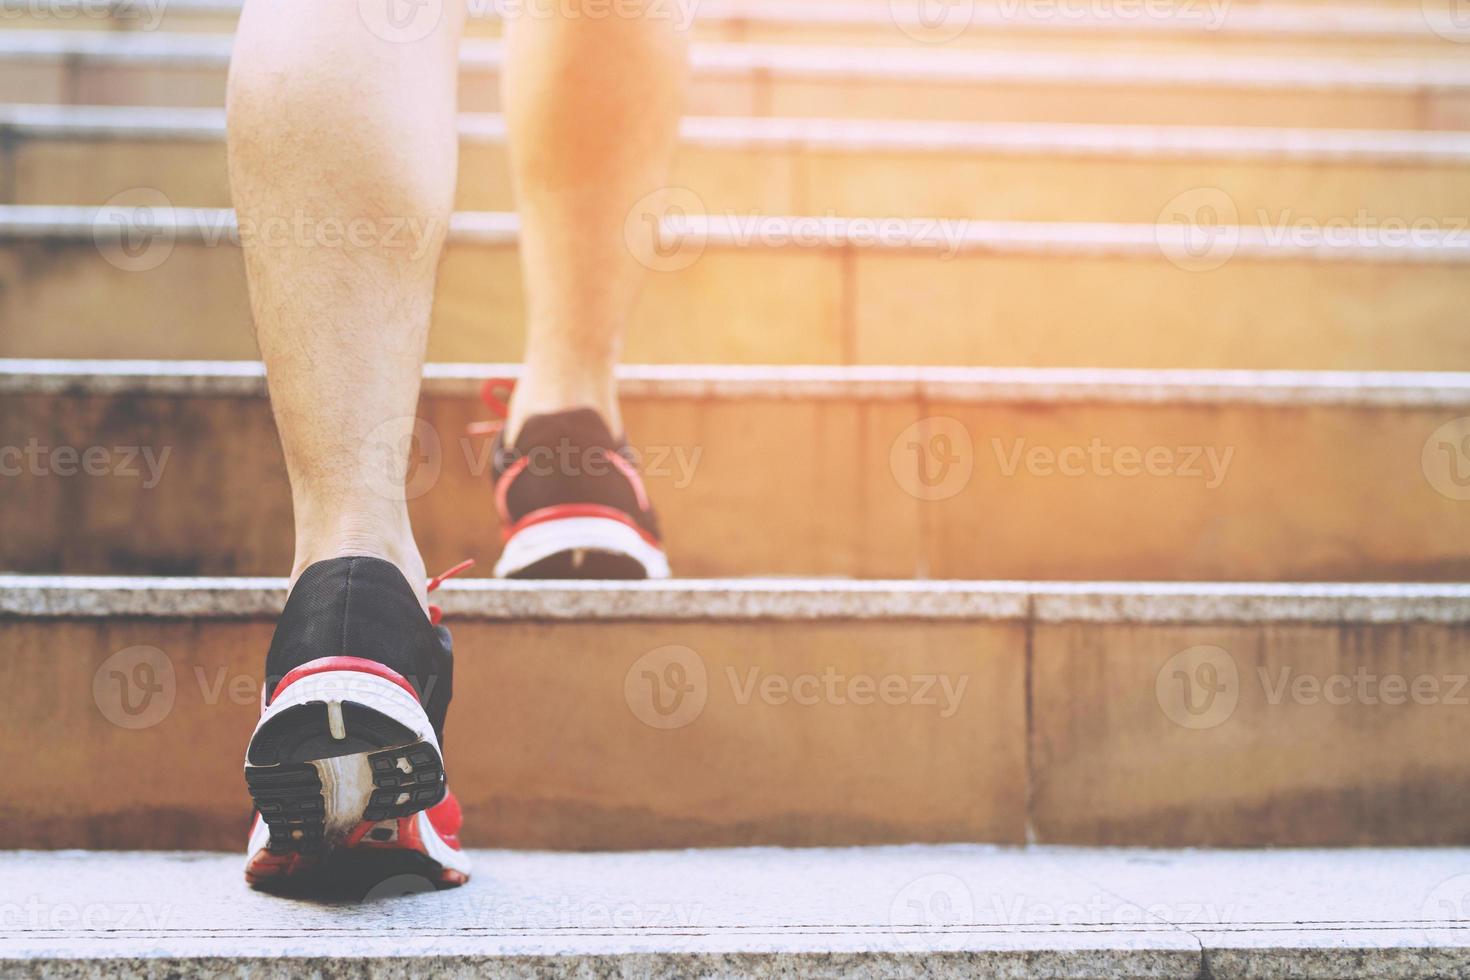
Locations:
{"points": [[446, 818], [621, 464], [264, 866], [502, 488], [558, 512], [618, 460], [323, 664]]}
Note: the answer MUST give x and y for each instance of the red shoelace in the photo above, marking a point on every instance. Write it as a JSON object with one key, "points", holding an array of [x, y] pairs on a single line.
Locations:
{"points": [[435, 612]]}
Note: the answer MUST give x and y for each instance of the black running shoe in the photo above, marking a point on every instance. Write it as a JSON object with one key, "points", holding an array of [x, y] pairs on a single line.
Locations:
{"points": [[346, 765], [572, 504]]}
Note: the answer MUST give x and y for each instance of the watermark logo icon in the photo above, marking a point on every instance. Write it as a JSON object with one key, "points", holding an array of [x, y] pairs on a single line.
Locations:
{"points": [[1199, 687], [927, 906], [401, 21], [934, 458], [135, 688], [401, 458], [398, 886], [932, 21], [666, 231], [134, 231], [1450, 19], [1446, 459], [1199, 230], [1446, 911], [667, 688]]}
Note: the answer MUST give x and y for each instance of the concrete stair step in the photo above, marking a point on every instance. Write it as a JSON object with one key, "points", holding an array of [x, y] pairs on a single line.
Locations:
{"points": [[1283, 30], [128, 68], [799, 712], [1007, 171], [1062, 474], [868, 913], [139, 283]]}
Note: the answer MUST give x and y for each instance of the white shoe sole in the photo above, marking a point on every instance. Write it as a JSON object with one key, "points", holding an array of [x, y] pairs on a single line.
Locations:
{"points": [[572, 534], [338, 748]]}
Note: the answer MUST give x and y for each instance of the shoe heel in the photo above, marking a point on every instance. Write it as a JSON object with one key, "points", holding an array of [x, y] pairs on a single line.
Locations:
{"points": [[337, 747]]}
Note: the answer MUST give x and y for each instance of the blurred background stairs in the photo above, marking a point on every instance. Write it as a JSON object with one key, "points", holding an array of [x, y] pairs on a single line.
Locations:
{"points": [[1070, 360]]}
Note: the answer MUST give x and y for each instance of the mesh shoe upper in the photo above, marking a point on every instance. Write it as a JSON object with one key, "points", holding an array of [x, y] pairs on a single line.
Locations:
{"points": [[364, 607], [566, 459]]}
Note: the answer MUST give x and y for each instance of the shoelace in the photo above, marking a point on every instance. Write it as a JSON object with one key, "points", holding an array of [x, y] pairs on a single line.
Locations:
{"points": [[498, 403], [435, 612]]}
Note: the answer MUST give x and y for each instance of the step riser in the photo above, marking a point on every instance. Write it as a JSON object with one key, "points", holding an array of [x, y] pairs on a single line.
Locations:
{"points": [[750, 486], [780, 181], [90, 83], [552, 754], [807, 305], [554, 758], [1312, 751]]}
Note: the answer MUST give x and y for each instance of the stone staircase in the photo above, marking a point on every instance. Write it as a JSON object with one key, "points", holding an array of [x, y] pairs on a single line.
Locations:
{"points": [[1073, 450], [905, 912]]}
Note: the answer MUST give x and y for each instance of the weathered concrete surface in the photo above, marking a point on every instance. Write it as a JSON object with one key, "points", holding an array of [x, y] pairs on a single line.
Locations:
{"points": [[899, 911]]}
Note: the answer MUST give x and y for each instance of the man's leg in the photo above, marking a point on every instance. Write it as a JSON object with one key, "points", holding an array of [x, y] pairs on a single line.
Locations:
{"points": [[343, 151], [343, 148], [592, 100]]}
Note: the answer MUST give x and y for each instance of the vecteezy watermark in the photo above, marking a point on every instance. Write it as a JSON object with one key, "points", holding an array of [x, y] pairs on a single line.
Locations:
{"points": [[668, 230], [941, 21], [680, 13], [1450, 19], [138, 229], [667, 688], [34, 912], [923, 910], [939, 691], [459, 909], [401, 458], [645, 236], [404, 458], [1445, 912], [1363, 686], [1201, 687], [142, 15], [1102, 459], [127, 462], [933, 458], [140, 687], [1208, 14], [941, 236], [401, 21], [1201, 230], [565, 912], [935, 911], [135, 688], [932, 21], [1099, 908], [1446, 458], [135, 229], [570, 460]]}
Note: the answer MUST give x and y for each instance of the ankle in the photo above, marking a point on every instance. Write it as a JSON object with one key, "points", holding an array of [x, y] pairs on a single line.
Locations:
{"points": [[346, 542], [538, 395]]}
